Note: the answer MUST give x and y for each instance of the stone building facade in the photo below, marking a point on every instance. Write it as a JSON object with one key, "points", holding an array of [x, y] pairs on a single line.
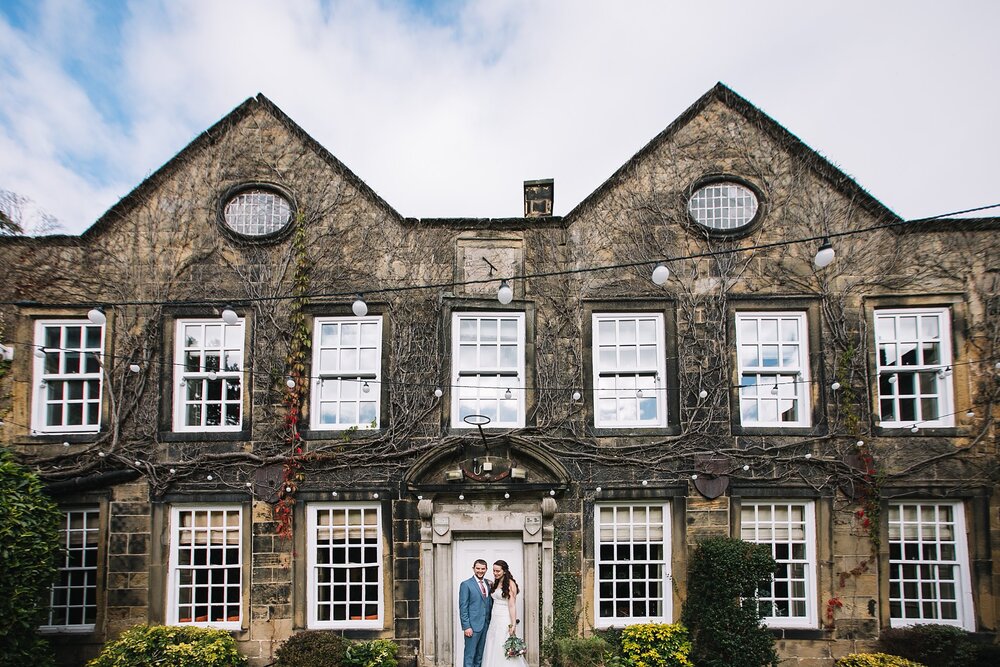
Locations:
{"points": [[269, 402]]}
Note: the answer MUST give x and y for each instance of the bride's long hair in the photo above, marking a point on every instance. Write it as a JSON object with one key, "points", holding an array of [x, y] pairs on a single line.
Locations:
{"points": [[506, 581]]}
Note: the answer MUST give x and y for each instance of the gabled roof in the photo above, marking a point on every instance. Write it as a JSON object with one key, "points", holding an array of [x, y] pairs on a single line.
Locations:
{"points": [[772, 128], [207, 138]]}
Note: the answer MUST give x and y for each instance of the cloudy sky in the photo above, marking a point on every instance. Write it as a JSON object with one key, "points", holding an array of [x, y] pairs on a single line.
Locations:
{"points": [[444, 107]]}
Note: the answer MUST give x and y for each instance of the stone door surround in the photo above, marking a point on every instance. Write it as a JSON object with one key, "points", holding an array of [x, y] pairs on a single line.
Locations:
{"points": [[441, 522]]}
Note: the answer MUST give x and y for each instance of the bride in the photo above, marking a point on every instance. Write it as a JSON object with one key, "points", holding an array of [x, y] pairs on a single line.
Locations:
{"points": [[504, 621]]}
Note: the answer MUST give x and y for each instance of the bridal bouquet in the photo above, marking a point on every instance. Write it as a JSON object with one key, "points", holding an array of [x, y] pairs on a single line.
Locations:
{"points": [[514, 647]]}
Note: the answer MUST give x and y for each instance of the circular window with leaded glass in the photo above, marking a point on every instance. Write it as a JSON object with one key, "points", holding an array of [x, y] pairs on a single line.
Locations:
{"points": [[724, 206], [256, 211]]}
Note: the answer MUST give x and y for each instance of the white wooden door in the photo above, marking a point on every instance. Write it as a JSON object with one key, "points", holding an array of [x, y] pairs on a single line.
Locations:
{"points": [[466, 551]]}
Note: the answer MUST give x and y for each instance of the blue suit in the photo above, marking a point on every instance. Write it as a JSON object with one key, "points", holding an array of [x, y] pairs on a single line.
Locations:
{"points": [[474, 612]]}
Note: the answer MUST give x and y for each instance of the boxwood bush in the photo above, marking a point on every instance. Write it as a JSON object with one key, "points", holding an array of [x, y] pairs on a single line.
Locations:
{"points": [[326, 648], [173, 645], [579, 652], [937, 645], [29, 533]]}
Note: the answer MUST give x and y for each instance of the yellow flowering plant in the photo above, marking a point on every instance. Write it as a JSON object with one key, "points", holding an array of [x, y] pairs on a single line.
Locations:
{"points": [[657, 645]]}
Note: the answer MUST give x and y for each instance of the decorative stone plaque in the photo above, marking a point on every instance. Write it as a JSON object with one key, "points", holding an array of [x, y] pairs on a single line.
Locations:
{"points": [[488, 260], [442, 524]]}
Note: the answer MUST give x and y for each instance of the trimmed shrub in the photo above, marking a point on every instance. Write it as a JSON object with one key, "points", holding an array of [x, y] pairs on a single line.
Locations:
{"points": [[174, 645], [875, 660], [375, 653], [579, 652], [721, 611], [313, 648], [934, 645], [657, 645], [29, 533], [987, 655]]}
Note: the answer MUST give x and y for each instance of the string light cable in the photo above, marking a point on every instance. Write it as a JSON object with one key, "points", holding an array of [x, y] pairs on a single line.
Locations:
{"points": [[356, 295]]}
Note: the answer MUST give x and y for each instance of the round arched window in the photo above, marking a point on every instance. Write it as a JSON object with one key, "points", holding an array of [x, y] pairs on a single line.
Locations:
{"points": [[256, 212], [723, 206]]}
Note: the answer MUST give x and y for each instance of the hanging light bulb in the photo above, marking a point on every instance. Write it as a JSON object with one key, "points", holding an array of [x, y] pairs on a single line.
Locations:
{"points": [[825, 255], [290, 383], [660, 273], [365, 388], [359, 307], [508, 394], [577, 396], [835, 386], [774, 390], [746, 467], [892, 379], [914, 429], [703, 393], [96, 315], [438, 392], [638, 393], [970, 414], [229, 316], [212, 375], [505, 294], [40, 352], [135, 368]]}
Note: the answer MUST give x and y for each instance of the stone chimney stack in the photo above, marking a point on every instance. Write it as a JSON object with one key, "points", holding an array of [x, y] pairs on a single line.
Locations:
{"points": [[538, 197]]}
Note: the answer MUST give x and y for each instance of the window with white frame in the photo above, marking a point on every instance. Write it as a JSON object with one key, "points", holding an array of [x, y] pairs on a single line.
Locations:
{"points": [[73, 599], [208, 364], [629, 370], [914, 367], [206, 566], [929, 565], [488, 363], [632, 564], [773, 357], [345, 565], [788, 528], [68, 378], [347, 367]]}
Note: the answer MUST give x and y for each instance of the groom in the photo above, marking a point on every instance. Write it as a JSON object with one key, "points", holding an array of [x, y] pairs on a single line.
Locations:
{"points": [[474, 608]]}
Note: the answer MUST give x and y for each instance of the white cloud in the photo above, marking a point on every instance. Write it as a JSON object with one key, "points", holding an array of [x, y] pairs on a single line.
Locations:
{"points": [[446, 115]]}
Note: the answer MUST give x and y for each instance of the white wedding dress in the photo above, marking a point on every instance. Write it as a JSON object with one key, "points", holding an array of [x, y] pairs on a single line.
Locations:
{"points": [[493, 653]]}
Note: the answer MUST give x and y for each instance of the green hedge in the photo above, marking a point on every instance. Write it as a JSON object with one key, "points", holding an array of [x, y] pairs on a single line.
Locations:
{"points": [[326, 648], [937, 645], [580, 652], [29, 535], [173, 645]]}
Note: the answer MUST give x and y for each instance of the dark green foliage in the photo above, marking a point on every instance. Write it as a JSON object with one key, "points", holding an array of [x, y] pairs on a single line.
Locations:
{"points": [[29, 546], [938, 646], [579, 652], [721, 608], [173, 645], [314, 648], [325, 648], [987, 655]]}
